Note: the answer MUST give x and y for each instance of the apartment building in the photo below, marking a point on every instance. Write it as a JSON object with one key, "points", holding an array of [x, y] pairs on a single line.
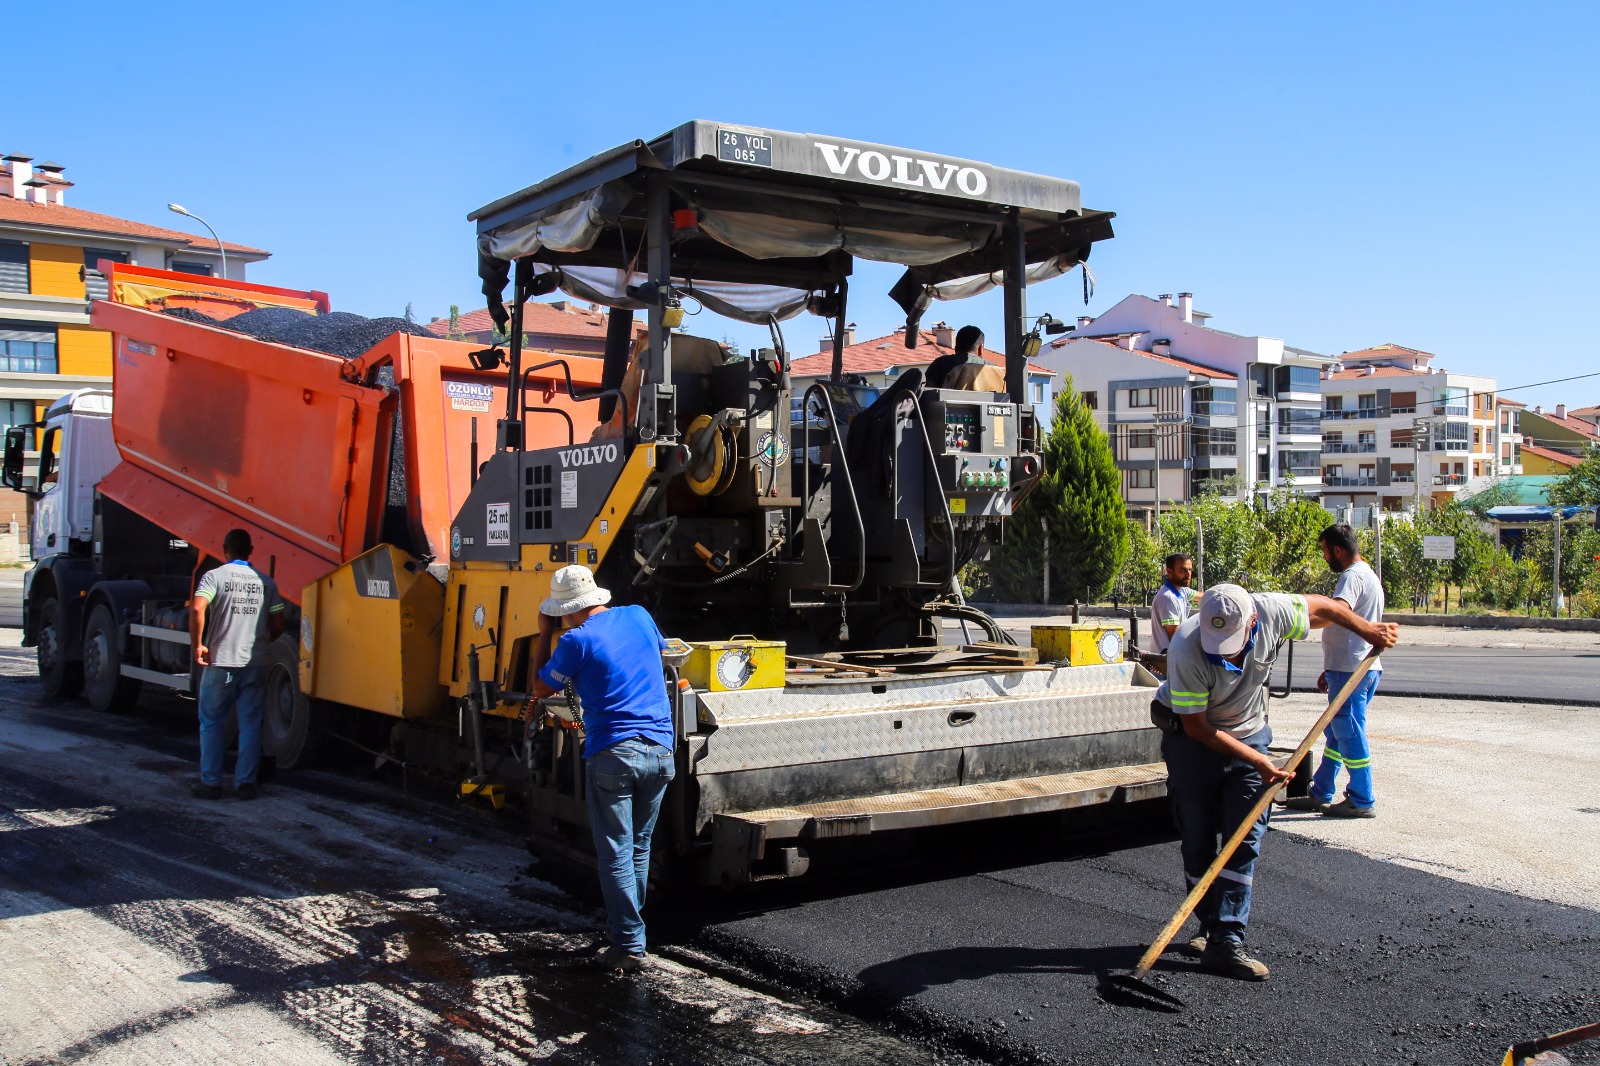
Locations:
{"points": [[1508, 438], [1558, 429], [48, 257], [880, 361], [1399, 433], [1191, 408]]}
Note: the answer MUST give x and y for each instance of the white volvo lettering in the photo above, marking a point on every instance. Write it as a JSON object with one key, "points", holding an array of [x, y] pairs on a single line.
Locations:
{"points": [[589, 456], [830, 153], [903, 169], [874, 165]]}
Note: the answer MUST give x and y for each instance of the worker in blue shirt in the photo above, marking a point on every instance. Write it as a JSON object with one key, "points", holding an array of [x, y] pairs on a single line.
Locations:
{"points": [[612, 659]]}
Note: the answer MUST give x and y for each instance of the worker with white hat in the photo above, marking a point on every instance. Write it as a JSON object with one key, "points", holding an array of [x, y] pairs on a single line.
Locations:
{"points": [[612, 659], [1212, 709]]}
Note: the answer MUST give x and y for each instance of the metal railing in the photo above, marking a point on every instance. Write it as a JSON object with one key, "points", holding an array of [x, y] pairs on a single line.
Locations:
{"points": [[1367, 412], [1346, 448], [1449, 479], [1349, 482]]}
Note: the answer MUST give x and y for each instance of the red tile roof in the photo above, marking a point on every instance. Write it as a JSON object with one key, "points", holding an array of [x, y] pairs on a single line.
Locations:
{"points": [[1171, 360], [59, 216], [1509, 403], [1588, 414], [1380, 351], [1576, 425], [1561, 458], [571, 320], [880, 353]]}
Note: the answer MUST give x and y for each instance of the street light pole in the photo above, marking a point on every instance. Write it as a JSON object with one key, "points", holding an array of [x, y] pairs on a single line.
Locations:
{"points": [[181, 210]]}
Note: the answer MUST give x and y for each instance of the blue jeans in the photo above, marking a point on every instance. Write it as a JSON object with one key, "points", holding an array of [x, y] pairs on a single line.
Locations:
{"points": [[239, 689], [1346, 746], [1210, 795], [625, 784]]}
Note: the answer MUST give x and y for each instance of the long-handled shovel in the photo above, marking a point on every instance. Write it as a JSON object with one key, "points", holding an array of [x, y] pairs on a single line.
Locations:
{"points": [[1518, 1054], [1134, 982]]}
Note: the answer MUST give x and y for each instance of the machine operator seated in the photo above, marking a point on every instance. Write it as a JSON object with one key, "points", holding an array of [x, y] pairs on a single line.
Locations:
{"points": [[966, 368]]}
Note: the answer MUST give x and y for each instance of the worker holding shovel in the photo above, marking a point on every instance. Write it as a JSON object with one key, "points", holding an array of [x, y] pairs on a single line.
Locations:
{"points": [[1213, 710]]}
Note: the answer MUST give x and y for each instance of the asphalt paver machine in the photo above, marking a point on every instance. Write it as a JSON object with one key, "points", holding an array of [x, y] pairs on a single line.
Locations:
{"points": [[767, 522]]}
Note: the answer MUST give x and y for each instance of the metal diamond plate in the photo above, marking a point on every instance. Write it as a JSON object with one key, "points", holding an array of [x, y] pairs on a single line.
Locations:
{"points": [[810, 724]]}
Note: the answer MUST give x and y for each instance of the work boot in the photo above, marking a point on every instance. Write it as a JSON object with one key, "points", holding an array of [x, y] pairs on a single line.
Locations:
{"points": [[247, 791], [1345, 809], [1225, 955], [1303, 803], [201, 790], [618, 960], [1196, 946]]}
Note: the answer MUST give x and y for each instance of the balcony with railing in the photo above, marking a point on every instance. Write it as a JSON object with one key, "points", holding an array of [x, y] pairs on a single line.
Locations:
{"points": [[1402, 479], [1366, 412], [1344, 482], [1348, 447], [1450, 479]]}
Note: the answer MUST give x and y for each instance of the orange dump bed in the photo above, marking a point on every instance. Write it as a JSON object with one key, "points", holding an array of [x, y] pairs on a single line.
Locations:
{"points": [[217, 429]]}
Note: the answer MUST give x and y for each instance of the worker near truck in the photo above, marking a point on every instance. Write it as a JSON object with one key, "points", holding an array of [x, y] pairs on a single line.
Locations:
{"points": [[235, 614], [965, 367], [1345, 739], [612, 659], [1212, 709], [1173, 602]]}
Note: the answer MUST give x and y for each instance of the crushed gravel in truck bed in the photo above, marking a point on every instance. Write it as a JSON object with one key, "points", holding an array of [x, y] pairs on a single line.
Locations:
{"points": [[336, 333]]}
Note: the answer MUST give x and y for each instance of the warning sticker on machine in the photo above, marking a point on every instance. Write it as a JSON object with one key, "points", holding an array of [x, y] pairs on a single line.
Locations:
{"points": [[466, 396], [569, 488], [958, 505], [498, 525]]}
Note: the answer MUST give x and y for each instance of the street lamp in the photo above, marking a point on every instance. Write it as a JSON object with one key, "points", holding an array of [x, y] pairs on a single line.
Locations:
{"points": [[180, 209]]}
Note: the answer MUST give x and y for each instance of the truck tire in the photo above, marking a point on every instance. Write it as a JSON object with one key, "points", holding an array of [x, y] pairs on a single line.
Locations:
{"points": [[59, 678], [291, 722], [103, 681]]}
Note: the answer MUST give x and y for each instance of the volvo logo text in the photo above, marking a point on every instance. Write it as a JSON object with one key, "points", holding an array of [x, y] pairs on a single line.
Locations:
{"points": [[588, 456], [904, 169]]}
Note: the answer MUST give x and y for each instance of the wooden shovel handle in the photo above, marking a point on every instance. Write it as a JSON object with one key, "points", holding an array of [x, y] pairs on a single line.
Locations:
{"points": [[1197, 893]]}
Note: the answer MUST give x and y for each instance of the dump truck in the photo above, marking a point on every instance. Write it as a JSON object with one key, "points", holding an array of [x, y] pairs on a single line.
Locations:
{"points": [[801, 545]]}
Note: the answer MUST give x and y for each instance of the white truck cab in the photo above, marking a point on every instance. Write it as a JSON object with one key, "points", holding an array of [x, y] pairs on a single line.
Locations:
{"points": [[76, 450]]}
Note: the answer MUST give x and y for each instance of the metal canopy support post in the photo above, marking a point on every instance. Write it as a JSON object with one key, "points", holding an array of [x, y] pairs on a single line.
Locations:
{"points": [[1016, 308], [658, 356], [510, 435], [838, 331]]}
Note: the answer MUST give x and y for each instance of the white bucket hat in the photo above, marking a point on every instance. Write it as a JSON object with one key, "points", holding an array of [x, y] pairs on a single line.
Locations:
{"points": [[572, 588]]}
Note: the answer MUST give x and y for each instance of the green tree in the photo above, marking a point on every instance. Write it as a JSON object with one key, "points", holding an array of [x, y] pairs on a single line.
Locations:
{"points": [[1580, 486], [1141, 570], [1079, 497]]}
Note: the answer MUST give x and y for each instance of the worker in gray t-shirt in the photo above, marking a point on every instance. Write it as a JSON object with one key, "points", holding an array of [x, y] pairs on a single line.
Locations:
{"points": [[1173, 602], [235, 615], [1342, 651]]}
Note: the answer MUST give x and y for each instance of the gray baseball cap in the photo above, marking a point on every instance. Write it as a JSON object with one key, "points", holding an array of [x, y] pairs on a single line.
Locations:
{"points": [[1226, 612]]}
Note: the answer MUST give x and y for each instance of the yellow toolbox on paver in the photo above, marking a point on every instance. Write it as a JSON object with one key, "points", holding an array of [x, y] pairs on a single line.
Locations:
{"points": [[1080, 643], [733, 665]]}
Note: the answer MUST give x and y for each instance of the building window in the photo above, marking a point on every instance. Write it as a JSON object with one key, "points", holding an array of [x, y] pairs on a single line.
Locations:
{"points": [[1091, 400], [1141, 479], [192, 268], [1038, 392], [1141, 397], [1141, 438], [1298, 379], [27, 348], [94, 282], [1212, 401], [1333, 403], [14, 267]]}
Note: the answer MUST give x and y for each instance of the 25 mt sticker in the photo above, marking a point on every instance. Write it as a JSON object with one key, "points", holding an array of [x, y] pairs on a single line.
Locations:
{"points": [[498, 524]]}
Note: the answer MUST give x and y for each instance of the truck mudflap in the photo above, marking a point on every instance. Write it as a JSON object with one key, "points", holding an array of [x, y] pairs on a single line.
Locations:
{"points": [[828, 759], [741, 841]]}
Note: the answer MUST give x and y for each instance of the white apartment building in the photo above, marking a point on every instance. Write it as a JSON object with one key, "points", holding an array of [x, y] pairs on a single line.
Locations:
{"points": [[1377, 403], [1190, 407]]}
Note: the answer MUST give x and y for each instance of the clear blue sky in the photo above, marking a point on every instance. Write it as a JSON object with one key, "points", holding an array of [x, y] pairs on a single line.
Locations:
{"points": [[1335, 175]]}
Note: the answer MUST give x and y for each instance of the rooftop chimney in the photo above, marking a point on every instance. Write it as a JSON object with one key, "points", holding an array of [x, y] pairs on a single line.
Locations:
{"points": [[1165, 298], [1085, 321], [1561, 410], [1186, 305], [825, 344], [944, 335], [849, 334], [21, 174]]}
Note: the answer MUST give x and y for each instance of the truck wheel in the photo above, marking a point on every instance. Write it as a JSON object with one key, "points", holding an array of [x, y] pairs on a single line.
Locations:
{"points": [[103, 680], [291, 725], [59, 678]]}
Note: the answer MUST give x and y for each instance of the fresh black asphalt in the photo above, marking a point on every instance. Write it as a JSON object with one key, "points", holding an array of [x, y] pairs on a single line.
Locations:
{"points": [[996, 951]]}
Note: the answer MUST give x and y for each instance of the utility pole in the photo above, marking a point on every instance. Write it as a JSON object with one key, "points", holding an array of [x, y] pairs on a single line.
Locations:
{"points": [[1199, 554], [1044, 523], [1555, 575], [1377, 540]]}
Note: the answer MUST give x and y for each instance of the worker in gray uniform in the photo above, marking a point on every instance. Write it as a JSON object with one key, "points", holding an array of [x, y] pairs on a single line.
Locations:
{"points": [[1173, 602], [1212, 709], [235, 615]]}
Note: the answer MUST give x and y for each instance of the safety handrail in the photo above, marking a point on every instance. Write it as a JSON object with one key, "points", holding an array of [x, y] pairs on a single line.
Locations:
{"points": [[839, 466], [566, 372], [572, 433], [944, 501]]}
